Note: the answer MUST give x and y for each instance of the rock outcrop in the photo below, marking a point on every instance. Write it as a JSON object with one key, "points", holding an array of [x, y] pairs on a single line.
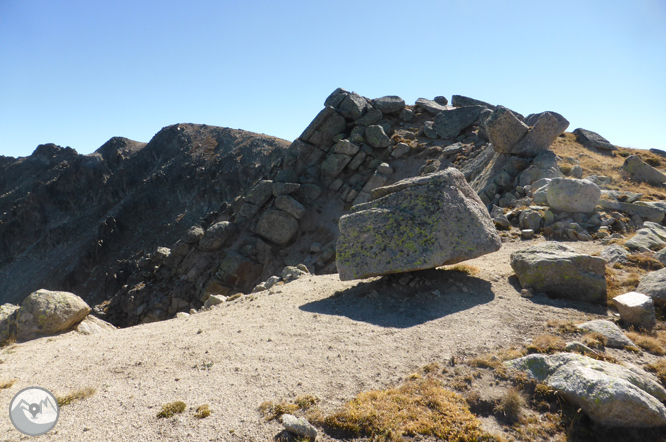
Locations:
{"points": [[653, 285], [611, 395], [592, 139], [415, 224], [559, 271], [638, 170], [45, 313]]}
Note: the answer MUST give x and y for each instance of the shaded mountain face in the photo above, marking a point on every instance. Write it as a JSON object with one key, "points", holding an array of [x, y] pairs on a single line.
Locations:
{"points": [[77, 222]]}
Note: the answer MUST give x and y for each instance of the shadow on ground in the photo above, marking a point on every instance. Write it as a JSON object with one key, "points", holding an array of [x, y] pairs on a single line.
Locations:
{"points": [[552, 301], [389, 301]]}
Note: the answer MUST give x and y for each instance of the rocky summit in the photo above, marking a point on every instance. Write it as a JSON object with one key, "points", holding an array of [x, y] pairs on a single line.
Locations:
{"points": [[450, 255]]}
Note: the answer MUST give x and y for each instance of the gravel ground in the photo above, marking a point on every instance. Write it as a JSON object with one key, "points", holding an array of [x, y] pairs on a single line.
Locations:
{"points": [[317, 336]]}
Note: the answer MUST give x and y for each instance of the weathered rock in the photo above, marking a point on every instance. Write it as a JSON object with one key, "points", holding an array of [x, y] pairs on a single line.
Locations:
{"points": [[299, 426], [327, 124], [504, 130], [448, 124], [530, 219], [415, 224], [653, 285], [8, 314], [647, 213], [559, 271], [346, 147], [285, 188], [292, 273], [45, 313], [389, 104], [353, 106], [544, 165], [592, 139], [429, 131], [546, 129], [611, 395], [400, 149], [193, 235], [290, 205], [650, 237], [614, 336], [373, 116], [92, 326], [277, 226], [334, 164], [572, 195], [214, 300], [406, 115], [614, 254], [376, 137], [636, 309], [216, 236], [661, 256], [527, 233], [640, 171], [260, 193], [462, 101], [430, 106]]}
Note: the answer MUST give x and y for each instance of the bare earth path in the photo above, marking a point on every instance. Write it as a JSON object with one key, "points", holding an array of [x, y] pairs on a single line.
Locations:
{"points": [[317, 336]]}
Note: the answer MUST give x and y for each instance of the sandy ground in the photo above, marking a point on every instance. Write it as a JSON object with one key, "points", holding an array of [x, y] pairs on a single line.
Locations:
{"points": [[317, 336]]}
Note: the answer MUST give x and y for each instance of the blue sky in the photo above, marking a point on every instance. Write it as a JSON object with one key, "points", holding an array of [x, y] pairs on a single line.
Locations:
{"points": [[76, 73]]}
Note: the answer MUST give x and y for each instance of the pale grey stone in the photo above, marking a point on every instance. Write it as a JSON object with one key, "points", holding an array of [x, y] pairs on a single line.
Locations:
{"points": [[636, 309], [572, 195], [638, 170], [611, 395], [333, 165], [647, 213], [46, 312], [530, 220], [544, 165], [547, 128], [614, 336], [214, 300], [653, 285], [299, 426], [614, 254], [415, 224], [504, 130], [560, 271], [428, 130], [93, 326], [651, 237], [400, 150]]}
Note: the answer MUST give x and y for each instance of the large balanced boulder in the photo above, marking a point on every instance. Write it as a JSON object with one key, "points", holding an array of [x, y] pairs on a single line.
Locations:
{"points": [[560, 271], [389, 104], [546, 128], [449, 123], [611, 395], [415, 224], [504, 129], [572, 195], [654, 285], [638, 170], [45, 313]]}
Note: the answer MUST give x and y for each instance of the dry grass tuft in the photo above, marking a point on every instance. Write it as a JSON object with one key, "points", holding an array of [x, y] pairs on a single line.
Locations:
{"points": [[595, 340], [75, 395], [659, 368], [510, 406], [203, 411], [467, 269], [421, 407], [619, 282], [563, 327], [272, 410], [7, 384], [494, 360], [645, 261], [654, 343], [168, 410], [546, 344]]}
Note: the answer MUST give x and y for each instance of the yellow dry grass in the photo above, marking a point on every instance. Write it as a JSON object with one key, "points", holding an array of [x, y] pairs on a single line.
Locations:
{"points": [[654, 343], [418, 407], [75, 395], [594, 163]]}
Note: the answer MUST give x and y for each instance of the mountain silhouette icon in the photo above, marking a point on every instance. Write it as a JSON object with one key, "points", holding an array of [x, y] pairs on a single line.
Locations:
{"points": [[29, 418]]}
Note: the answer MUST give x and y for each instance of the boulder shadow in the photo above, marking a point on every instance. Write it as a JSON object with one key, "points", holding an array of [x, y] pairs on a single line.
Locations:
{"points": [[406, 299]]}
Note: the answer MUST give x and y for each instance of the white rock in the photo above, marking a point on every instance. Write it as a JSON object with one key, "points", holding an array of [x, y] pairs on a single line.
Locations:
{"points": [[636, 309]]}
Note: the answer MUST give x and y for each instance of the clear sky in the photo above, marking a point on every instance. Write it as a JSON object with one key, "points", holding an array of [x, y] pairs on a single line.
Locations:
{"points": [[78, 72]]}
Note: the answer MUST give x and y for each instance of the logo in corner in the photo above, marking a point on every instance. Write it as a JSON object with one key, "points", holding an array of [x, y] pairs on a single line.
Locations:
{"points": [[34, 411]]}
